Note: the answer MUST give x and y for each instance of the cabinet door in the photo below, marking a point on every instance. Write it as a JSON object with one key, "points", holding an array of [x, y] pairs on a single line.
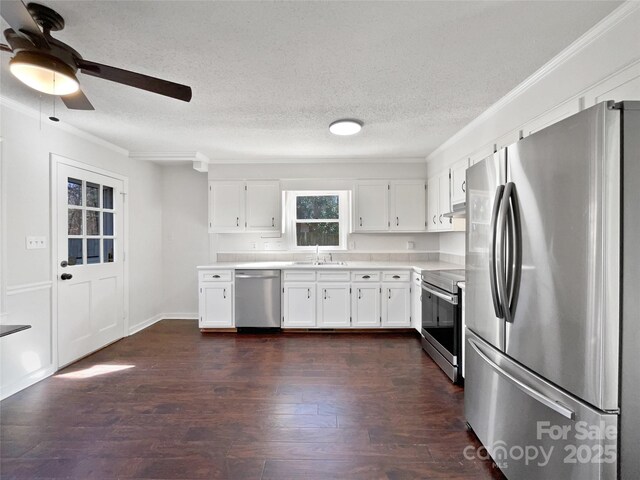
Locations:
{"points": [[365, 305], [300, 305], [416, 301], [334, 305], [459, 182], [226, 206], [216, 305], [396, 305], [263, 206], [407, 206], [444, 201], [371, 206], [433, 195]]}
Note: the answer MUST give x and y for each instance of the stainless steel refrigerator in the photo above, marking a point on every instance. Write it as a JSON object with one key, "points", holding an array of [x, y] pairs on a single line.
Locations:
{"points": [[553, 299]]}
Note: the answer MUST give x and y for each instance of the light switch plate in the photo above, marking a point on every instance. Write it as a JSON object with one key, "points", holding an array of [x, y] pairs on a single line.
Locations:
{"points": [[33, 243]]}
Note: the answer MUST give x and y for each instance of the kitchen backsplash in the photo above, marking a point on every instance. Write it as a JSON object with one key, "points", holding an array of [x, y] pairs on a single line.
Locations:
{"points": [[342, 257]]}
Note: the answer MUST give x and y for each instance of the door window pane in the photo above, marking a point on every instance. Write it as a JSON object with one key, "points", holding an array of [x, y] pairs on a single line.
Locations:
{"points": [[107, 197], [322, 234], [74, 191], [93, 195], [317, 207], [93, 223], [107, 223], [108, 250], [93, 251], [75, 222], [75, 251]]}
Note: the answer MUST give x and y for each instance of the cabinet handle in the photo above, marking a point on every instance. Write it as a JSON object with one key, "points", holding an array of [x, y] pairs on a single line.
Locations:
{"points": [[434, 219], [440, 218], [396, 276], [464, 183], [366, 276], [389, 290], [237, 221], [273, 221], [224, 293], [308, 293], [360, 221], [325, 293], [359, 294], [397, 221], [215, 276]]}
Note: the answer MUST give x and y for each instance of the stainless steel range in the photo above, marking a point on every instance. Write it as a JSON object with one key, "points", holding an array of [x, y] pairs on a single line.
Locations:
{"points": [[442, 320]]}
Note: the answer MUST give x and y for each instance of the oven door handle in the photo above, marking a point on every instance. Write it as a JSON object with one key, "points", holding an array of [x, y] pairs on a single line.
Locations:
{"points": [[452, 299]]}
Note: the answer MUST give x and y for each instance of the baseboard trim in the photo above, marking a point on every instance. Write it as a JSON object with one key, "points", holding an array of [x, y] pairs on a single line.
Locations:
{"points": [[138, 327], [26, 381]]}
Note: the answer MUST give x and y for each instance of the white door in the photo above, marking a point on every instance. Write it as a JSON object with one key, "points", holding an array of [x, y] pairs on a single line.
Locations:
{"points": [[459, 182], [433, 195], [372, 206], [396, 305], [365, 305], [334, 305], [90, 272], [263, 206], [226, 206], [444, 201], [300, 305], [408, 206], [216, 306]]}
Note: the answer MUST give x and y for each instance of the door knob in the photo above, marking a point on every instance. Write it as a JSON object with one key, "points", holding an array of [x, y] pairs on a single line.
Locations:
{"points": [[66, 276]]}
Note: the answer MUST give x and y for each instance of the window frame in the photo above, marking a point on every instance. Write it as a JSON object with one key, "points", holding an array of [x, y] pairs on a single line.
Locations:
{"points": [[290, 215]]}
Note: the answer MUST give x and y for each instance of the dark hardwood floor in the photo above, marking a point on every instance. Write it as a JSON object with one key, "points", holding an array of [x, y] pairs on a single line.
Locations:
{"points": [[228, 406]]}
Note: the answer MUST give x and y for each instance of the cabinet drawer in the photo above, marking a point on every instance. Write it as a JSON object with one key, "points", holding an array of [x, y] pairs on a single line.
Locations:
{"points": [[395, 276], [299, 276], [365, 276], [334, 276], [217, 276]]}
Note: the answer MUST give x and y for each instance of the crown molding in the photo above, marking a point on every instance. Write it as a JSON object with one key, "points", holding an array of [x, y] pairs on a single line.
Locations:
{"points": [[607, 23], [30, 112], [313, 160], [169, 156]]}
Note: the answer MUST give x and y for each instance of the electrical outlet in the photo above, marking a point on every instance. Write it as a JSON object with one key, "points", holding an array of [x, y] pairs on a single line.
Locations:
{"points": [[33, 243], [254, 245], [411, 245]]}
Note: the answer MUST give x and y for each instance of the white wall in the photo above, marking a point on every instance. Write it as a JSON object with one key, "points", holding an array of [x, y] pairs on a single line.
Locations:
{"points": [[185, 239], [329, 175], [26, 274], [602, 65]]}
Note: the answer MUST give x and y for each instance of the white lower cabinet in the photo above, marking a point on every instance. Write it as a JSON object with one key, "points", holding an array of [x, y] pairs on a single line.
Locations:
{"points": [[365, 305], [396, 305], [299, 304], [216, 305], [416, 301], [334, 305]]}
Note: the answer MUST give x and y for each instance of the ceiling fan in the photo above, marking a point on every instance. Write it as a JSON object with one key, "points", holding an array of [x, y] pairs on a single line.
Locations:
{"points": [[50, 66]]}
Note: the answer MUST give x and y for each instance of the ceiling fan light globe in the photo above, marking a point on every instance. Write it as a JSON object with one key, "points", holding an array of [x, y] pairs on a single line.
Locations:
{"points": [[44, 74]]}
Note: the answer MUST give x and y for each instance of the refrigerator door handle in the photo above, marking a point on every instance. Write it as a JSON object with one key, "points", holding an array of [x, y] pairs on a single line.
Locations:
{"points": [[515, 251], [501, 263], [536, 395], [493, 264]]}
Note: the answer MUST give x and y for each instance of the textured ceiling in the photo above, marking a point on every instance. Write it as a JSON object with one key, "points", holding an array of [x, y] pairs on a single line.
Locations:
{"points": [[269, 77]]}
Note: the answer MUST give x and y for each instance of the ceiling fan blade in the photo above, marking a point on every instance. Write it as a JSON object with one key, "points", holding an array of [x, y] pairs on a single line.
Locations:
{"points": [[5, 48], [77, 101], [137, 80], [18, 17]]}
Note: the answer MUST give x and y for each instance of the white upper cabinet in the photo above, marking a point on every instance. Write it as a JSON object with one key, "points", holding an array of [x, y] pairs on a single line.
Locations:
{"points": [[383, 206], [444, 200], [263, 208], [407, 205], [439, 203], [226, 206], [459, 182], [433, 189], [240, 206], [371, 206]]}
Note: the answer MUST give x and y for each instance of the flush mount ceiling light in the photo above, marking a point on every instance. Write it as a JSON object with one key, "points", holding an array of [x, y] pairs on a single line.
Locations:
{"points": [[345, 127], [43, 73]]}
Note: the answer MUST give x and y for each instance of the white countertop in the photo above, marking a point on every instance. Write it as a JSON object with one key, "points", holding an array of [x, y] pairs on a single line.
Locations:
{"points": [[416, 266]]}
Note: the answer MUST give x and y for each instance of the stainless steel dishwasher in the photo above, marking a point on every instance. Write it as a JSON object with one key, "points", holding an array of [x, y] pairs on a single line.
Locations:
{"points": [[257, 299]]}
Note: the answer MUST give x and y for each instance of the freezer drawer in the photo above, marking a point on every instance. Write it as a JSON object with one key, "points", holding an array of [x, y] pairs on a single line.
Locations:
{"points": [[530, 428]]}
